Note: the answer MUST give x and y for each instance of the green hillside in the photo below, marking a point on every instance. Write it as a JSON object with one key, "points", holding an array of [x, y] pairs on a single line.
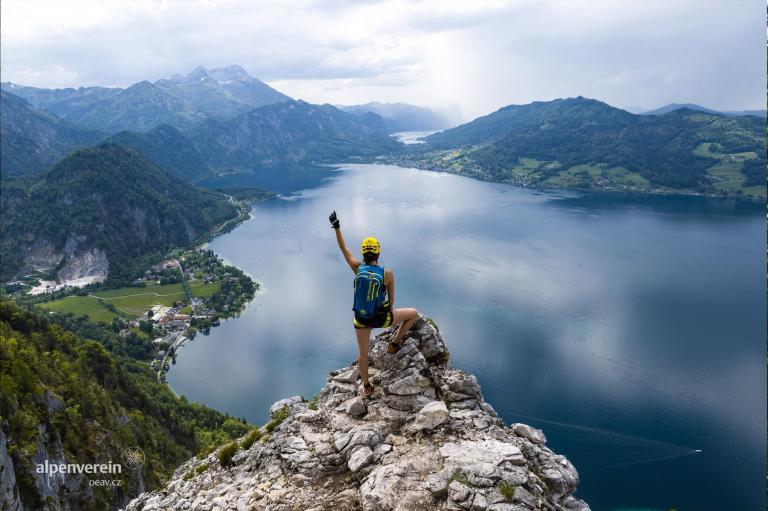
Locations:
{"points": [[584, 143], [32, 140], [290, 132], [167, 148], [75, 390], [102, 208], [140, 107]]}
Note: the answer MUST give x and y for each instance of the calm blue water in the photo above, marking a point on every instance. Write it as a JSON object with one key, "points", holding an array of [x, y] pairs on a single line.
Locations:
{"points": [[635, 327]]}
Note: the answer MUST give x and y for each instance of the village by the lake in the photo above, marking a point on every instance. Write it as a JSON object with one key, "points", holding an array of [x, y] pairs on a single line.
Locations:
{"points": [[187, 293]]}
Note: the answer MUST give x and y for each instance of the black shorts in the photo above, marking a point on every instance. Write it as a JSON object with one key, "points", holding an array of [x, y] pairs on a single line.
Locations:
{"points": [[382, 318]]}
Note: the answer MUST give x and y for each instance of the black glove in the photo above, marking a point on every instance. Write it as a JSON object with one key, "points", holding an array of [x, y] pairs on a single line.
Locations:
{"points": [[334, 221]]}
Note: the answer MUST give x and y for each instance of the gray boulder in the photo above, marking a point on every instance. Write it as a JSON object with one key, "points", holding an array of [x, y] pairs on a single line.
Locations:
{"points": [[360, 458], [355, 407], [433, 414], [294, 404], [534, 435]]}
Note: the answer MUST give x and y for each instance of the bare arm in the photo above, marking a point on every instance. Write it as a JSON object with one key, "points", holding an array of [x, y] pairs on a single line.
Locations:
{"points": [[351, 261], [389, 277]]}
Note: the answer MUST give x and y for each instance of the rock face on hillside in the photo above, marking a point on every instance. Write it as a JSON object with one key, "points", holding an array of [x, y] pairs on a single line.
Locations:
{"points": [[426, 440], [102, 210]]}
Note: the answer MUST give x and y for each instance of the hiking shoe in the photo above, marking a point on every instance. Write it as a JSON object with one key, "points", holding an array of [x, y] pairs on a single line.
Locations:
{"points": [[368, 390]]}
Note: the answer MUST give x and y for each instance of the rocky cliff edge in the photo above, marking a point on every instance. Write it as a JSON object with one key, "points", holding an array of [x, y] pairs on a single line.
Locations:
{"points": [[426, 440]]}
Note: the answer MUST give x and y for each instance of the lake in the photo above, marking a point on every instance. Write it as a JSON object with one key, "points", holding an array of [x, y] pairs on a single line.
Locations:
{"points": [[631, 329]]}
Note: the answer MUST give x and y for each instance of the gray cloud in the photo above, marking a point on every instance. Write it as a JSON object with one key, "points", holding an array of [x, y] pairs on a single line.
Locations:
{"points": [[480, 54]]}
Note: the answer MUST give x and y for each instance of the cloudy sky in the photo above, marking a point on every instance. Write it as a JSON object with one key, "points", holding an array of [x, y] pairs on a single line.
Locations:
{"points": [[475, 54]]}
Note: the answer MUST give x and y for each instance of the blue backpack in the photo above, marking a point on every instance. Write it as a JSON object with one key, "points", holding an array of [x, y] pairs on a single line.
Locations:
{"points": [[369, 290]]}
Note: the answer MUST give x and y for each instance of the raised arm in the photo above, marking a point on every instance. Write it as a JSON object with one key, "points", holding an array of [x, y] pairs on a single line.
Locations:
{"points": [[351, 261]]}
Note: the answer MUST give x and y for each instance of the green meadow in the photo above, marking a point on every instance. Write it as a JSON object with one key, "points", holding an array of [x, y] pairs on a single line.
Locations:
{"points": [[129, 302]]}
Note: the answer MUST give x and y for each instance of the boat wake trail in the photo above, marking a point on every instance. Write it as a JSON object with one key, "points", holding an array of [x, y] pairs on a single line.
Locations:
{"points": [[600, 449]]}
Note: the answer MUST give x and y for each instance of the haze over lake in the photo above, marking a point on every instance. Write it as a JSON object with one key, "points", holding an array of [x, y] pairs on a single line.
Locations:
{"points": [[635, 327]]}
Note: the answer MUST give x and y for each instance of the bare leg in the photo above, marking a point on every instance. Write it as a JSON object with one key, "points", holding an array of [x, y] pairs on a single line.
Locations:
{"points": [[405, 316], [363, 336]]}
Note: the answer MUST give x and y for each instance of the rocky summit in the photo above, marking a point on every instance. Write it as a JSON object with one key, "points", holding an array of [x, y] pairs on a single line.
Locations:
{"points": [[425, 440]]}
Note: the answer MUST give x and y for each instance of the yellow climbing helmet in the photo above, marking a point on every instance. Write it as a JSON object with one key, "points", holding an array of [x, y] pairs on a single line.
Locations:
{"points": [[370, 245]]}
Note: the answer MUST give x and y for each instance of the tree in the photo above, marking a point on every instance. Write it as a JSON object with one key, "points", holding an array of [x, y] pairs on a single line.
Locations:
{"points": [[95, 358], [146, 326]]}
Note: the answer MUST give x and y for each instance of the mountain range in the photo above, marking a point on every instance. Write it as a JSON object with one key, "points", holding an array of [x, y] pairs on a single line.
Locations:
{"points": [[140, 107], [286, 132], [222, 92], [291, 131], [180, 101], [222, 120], [110, 210]]}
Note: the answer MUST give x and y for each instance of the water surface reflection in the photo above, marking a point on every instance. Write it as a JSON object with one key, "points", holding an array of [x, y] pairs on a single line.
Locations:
{"points": [[643, 316]]}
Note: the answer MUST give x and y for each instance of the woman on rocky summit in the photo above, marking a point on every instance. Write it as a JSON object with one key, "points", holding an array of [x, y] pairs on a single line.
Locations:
{"points": [[374, 300]]}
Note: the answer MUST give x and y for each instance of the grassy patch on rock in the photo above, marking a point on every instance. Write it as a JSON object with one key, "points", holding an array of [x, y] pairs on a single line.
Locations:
{"points": [[280, 416], [507, 490], [248, 441], [226, 454]]}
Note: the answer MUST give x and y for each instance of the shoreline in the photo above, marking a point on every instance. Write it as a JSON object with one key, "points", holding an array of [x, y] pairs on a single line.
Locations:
{"points": [[243, 215], [260, 288], [540, 187]]}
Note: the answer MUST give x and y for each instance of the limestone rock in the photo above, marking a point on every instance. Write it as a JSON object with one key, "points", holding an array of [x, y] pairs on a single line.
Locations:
{"points": [[294, 404], [427, 440], [360, 458], [433, 414], [350, 376], [9, 492], [355, 407], [534, 435]]}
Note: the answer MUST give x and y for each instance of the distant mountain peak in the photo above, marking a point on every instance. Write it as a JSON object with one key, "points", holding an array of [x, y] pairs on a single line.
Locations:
{"points": [[141, 86], [672, 107], [580, 100], [199, 73], [231, 73], [227, 74]]}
